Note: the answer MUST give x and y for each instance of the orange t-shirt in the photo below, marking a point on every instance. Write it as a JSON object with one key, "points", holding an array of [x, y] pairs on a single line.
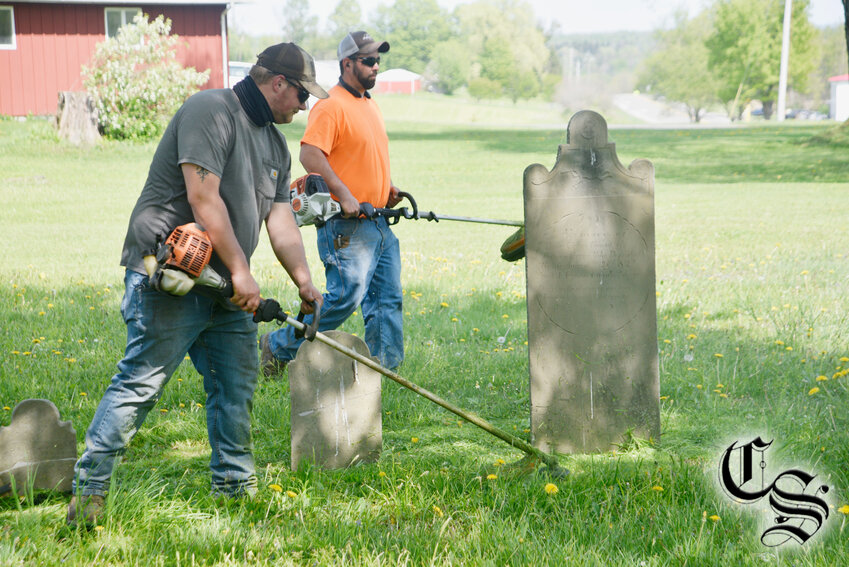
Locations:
{"points": [[351, 133]]}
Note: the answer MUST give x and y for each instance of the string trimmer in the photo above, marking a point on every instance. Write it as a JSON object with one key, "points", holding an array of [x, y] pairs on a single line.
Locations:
{"points": [[313, 204], [269, 310]]}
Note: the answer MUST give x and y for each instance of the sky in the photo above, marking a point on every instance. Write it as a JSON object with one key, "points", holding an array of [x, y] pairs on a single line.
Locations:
{"points": [[574, 16]]}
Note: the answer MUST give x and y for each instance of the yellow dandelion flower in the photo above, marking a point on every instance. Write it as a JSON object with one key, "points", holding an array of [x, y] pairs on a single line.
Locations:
{"points": [[291, 494], [723, 395], [822, 378], [98, 528], [505, 316], [443, 304], [844, 359], [667, 341], [844, 509], [699, 386], [718, 355], [779, 343], [275, 487], [381, 474], [813, 391], [720, 385], [664, 397], [657, 488], [715, 518], [437, 510], [454, 319], [491, 477], [691, 336], [414, 439], [83, 394], [499, 462], [551, 488], [6, 408]]}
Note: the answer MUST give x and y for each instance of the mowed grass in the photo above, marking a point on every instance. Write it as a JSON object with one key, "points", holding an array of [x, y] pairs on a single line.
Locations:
{"points": [[752, 324]]}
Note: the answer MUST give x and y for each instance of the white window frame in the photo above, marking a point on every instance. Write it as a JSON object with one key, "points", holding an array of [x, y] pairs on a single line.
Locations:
{"points": [[14, 44], [125, 11]]}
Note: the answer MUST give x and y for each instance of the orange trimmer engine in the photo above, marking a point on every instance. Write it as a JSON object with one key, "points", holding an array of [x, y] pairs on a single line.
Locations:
{"points": [[191, 249]]}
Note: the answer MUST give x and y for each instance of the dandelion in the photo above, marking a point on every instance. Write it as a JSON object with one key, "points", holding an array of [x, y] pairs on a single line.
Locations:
{"points": [[499, 462], [822, 378], [275, 487], [491, 477], [381, 474], [718, 355], [723, 395], [813, 391], [443, 304], [844, 359], [691, 336], [437, 510], [291, 494], [657, 488], [715, 518], [699, 386], [505, 316], [83, 394], [551, 488], [844, 509], [779, 343], [98, 528], [414, 439], [6, 408], [454, 319]]}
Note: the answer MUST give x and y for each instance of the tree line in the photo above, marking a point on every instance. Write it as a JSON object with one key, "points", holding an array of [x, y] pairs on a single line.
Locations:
{"points": [[726, 56]]}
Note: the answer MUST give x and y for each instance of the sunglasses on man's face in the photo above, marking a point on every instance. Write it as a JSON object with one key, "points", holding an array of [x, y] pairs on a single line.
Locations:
{"points": [[368, 61], [303, 94]]}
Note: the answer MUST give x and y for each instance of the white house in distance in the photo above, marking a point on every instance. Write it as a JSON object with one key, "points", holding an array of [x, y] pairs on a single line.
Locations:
{"points": [[839, 107]]}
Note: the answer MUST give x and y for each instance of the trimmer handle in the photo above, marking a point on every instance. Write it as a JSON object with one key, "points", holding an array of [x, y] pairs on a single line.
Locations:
{"points": [[269, 310], [309, 331]]}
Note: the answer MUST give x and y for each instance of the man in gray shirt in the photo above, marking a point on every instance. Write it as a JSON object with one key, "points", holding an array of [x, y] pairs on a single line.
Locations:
{"points": [[223, 164]]}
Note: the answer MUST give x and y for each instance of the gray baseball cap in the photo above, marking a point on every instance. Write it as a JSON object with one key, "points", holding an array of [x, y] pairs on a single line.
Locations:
{"points": [[294, 63], [359, 41]]}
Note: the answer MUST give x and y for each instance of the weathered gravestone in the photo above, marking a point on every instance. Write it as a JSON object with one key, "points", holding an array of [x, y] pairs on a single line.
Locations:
{"points": [[37, 449], [76, 118], [592, 324], [336, 411]]}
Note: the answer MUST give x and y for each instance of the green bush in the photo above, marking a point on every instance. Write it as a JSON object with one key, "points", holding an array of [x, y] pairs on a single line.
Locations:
{"points": [[481, 87], [137, 82]]}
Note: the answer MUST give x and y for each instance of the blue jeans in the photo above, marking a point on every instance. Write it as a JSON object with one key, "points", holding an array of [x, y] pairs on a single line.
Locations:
{"points": [[362, 264], [161, 329]]}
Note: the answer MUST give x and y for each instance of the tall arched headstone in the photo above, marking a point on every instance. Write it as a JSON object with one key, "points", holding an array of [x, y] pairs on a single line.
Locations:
{"points": [[592, 323], [335, 405], [37, 449]]}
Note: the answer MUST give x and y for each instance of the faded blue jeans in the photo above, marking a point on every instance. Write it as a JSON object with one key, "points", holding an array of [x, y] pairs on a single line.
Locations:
{"points": [[362, 265], [161, 329]]}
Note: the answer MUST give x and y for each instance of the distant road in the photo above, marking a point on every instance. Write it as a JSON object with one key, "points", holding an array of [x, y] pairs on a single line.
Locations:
{"points": [[653, 112]]}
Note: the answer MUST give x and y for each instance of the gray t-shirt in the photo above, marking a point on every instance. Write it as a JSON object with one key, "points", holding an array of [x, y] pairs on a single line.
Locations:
{"points": [[210, 130]]}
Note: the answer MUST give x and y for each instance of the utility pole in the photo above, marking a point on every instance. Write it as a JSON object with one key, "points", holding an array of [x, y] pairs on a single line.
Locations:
{"points": [[785, 57]]}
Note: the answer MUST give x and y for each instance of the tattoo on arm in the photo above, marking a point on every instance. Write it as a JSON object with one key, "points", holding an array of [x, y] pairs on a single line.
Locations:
{"points": [[202, 173]]}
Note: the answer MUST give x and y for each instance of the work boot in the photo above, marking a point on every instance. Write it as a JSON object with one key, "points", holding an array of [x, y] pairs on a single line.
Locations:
{"points": [[92, 510], [269, 364]]}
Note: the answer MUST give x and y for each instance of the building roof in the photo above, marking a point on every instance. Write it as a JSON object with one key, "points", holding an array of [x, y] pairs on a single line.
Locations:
{"points": [[838, 78], [397, 75]]}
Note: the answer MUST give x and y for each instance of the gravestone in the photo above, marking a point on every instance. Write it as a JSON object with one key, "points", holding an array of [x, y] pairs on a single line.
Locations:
{"points": [[76, 118], [335, 405], [592, 323], [37, 449]]}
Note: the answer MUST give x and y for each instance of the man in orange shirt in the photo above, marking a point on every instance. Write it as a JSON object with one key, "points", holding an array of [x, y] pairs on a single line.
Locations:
{"points": [[346, 143]]}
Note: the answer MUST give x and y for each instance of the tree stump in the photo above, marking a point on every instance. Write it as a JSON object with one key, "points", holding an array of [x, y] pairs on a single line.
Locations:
{"points": [[76, 117]]}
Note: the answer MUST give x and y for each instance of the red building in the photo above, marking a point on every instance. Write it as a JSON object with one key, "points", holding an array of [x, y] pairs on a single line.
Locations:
{"points": [[43, 45]]}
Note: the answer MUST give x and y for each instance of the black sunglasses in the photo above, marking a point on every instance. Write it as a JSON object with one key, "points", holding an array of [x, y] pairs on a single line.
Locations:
{"points": [[367, 61], [303, 94]]}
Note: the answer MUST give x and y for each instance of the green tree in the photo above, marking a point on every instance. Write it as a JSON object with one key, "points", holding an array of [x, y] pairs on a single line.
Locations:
{"points": [[298, 25], [449, 66], [136, 81], [481, 88], [506, 44], [678, 69], [346, 17], [414, 28], [745, 51]]}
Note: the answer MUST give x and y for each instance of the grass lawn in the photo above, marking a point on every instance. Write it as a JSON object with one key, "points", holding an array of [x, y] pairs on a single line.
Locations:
{"points": [[753, 339]]}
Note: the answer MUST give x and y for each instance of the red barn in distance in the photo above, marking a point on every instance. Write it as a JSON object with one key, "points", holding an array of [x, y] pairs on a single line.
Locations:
{"points": [[43, 45]]}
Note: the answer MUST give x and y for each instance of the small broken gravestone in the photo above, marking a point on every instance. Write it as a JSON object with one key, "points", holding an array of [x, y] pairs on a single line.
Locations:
{"points": [[592, 322], [335, 405], [76, 118], [37, 449]]}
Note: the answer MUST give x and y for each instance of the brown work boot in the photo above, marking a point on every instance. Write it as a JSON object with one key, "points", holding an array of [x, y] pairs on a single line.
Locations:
{"points": [[269, 364], [91, 511]]}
